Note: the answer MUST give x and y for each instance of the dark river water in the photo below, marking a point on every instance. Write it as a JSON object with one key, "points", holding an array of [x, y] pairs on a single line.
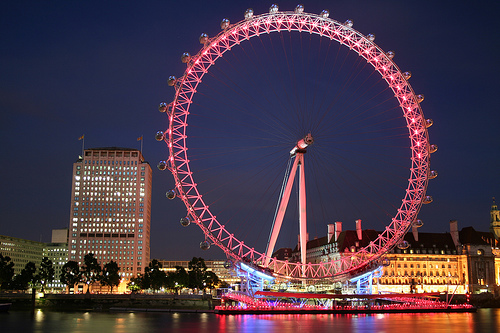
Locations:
{"points": [[485, 320]]}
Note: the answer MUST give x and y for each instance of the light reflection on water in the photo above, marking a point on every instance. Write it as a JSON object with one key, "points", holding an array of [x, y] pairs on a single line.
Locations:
{"points": [[484, 321]]}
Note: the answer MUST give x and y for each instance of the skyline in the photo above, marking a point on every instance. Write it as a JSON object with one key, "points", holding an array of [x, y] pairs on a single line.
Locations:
{"points": [[100, 70]]}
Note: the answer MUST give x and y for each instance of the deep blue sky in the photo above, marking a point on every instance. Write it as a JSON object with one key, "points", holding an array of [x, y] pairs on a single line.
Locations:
{"points": [[100, 68]]}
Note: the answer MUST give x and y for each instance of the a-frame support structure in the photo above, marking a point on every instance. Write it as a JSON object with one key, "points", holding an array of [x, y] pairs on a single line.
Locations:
{"points": [[298, 166]]}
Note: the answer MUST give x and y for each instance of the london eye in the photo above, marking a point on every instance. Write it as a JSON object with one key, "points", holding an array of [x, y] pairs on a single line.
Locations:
{"points": [[285, 122]]}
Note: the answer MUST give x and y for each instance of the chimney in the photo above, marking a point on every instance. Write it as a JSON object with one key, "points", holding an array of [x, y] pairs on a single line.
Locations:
{"points": [[454, 232], [358, 229], [331, 232], [338, 230]]}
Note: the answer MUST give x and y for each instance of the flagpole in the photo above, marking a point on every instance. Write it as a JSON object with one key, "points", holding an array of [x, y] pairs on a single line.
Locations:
{"points": [[83, 143], [140, 139]]}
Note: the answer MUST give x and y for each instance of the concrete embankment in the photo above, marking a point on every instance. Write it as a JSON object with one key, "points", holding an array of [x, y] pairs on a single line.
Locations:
{"points": [[105, 302]]}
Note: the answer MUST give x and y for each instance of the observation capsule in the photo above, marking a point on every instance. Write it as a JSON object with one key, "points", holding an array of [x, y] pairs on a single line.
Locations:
{"points": [[185, 57], [170, 194], [159, 135], [248, 13], [171, 80], [390, 54], [348, 23], [370, 37], [228, 264], [403, 245], [428, 123], [299, 9], [432, 174], [325, 13], [185, 221], [204, 245], [407, 75], [433, 148], [224, 24], [273, 9], [162, 165], [386, 262], [420, 98], [162, 107], [418, 223], [427, 200], [203, 38]]}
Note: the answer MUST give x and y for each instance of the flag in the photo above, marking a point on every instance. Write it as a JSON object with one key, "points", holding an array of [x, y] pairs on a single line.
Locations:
{"points": [[139, 138], [81, 138]]}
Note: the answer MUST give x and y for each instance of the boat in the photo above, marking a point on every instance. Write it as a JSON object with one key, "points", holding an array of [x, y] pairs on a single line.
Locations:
{"points": [[270, 302]]}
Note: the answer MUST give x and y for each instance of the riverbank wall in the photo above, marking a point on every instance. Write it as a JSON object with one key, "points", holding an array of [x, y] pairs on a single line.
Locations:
{"points": [[103, 302]]}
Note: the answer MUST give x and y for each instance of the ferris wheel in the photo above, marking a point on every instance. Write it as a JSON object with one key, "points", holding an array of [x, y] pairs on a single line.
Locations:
{"points": [[290, 93]]}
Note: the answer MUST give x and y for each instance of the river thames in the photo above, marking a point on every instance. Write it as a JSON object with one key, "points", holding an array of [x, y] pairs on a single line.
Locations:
{"points": [[483, 321]]}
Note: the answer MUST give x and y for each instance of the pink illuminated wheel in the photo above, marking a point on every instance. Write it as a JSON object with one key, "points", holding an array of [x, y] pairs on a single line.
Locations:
{"points": [[259, 87]]}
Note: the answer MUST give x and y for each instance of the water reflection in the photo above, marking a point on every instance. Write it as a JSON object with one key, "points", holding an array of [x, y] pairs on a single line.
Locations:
{"points": [[484, 321]]}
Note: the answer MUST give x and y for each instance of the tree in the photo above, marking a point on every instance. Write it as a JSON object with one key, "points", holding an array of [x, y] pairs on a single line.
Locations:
{"points": [[178, 279], [211, 280], [90, 270], [110, 276], [135, 284], [70, 274], [154, 277], [27, 277], [6, 271], [46, 272], [197, 270], [145, 279]]}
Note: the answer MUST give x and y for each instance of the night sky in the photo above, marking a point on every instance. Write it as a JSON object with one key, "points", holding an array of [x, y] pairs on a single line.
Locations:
{"points": [[69, 68]]}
